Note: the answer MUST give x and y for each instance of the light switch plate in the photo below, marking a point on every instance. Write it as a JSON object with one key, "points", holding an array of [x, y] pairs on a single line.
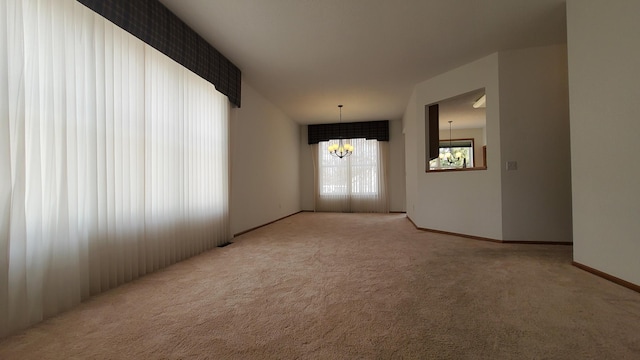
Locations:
{"points": [[512, 165]]}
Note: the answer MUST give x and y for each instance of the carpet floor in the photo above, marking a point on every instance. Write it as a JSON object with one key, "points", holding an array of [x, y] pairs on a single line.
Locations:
{"points": [[351, 286]]}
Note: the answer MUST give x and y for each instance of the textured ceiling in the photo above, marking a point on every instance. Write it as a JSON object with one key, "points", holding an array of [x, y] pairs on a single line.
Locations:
{"points": [[308, 56]]}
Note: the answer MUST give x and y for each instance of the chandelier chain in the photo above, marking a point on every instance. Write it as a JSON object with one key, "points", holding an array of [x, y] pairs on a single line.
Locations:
{"points": [[340, 150]]}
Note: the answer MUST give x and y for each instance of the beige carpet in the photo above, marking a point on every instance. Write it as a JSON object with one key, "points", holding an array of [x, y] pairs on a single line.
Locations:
{"points": [[351, 286]]}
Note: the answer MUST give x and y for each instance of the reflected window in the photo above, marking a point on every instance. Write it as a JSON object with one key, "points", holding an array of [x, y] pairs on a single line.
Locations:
{"points": [[454, 154]]}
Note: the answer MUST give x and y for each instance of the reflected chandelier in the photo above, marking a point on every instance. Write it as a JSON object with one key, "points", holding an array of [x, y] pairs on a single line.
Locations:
{"points": [[340, 150], [448, 156]]}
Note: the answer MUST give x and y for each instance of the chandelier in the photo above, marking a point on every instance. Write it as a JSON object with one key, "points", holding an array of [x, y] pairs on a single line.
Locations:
{"points": [[450, 158], [340, 149]]}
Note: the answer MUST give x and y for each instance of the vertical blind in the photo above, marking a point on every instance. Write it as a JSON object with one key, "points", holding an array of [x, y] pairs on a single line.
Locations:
{"points": [[113, 159]]}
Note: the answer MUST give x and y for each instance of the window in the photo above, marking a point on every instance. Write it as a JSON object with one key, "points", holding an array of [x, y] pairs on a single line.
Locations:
{"points": [[356, 174], [114, 159], [355, 183]]}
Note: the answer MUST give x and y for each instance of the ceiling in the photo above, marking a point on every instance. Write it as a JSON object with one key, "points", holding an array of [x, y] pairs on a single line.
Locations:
{"points": [[460, 111], [308, 56]]}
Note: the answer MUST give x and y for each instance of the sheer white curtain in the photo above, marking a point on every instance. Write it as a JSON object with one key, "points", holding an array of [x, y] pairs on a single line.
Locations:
{"points": [[113, 159], [357, 183]]}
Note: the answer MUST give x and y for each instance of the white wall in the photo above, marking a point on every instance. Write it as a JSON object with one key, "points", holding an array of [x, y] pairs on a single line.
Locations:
{"points": [[264, 163], [396, 169], [604, 84], [411, 149], [397, 181], [526, 121], [534, 132], [472, 203], [307, 201]]}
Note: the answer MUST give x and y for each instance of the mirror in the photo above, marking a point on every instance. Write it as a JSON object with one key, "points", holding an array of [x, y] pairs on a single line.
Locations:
{"points": [[456, 133]]}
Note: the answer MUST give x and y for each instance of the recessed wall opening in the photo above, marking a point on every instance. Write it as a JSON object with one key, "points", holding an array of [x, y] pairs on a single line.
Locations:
{"points": [[456, 133]]}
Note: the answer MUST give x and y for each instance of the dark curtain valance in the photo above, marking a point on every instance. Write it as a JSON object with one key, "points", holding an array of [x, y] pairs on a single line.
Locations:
{"points": [[153, 23], [378, 130]]}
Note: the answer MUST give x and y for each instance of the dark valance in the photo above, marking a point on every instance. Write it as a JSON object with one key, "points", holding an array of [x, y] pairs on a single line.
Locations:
{"points": [[153, 23], [378, 130]]}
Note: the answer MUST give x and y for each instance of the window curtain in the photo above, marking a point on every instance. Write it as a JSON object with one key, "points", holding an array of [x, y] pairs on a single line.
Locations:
{"points": [[357, 183], [113, 159]]}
